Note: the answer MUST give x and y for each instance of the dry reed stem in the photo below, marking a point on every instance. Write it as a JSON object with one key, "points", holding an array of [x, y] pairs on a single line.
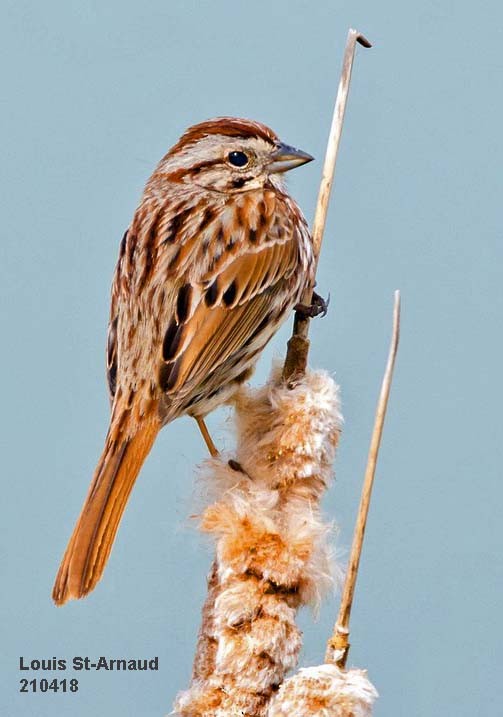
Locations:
{"points": [[298, 345], [338, 644]]}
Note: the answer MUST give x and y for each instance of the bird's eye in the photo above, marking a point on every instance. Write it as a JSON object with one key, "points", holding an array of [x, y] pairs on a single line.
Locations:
{"points": [[238, 159]]}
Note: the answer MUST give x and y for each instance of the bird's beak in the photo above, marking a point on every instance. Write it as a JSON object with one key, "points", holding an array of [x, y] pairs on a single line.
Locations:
{"points": [[285, 158]]}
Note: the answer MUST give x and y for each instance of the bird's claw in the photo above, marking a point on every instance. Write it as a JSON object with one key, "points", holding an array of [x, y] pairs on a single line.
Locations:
{"points": [[319, 306], [236, 466]]}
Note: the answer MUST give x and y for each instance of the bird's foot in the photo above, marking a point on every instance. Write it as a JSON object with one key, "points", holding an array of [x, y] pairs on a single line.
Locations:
{"points": [[319, 306], [237, 467]]}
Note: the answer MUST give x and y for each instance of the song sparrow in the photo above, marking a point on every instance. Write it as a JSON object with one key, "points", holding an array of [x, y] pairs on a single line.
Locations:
{"points": [[214, 260]]}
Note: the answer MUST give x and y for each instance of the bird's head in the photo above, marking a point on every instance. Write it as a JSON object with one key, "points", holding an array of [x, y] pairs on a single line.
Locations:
{"points": [[230, 155]]}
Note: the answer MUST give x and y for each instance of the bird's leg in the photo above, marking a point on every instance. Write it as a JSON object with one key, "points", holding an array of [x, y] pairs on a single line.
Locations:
{"points": [[207, 438], [213, 449], [318, 306]]}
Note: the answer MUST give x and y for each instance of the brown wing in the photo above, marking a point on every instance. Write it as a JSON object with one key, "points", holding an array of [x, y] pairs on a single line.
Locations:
{"points": [[235, 314]]}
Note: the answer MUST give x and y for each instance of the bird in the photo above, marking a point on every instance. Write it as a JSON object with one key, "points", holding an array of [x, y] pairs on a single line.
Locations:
{"points": [[215, 258]]}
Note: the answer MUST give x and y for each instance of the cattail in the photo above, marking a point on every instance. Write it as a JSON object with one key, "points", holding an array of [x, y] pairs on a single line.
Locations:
{"points": [[272, 554], [324, 691]]}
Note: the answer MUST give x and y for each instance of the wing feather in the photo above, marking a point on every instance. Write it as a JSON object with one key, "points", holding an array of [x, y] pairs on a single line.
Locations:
{"points": [[218, 333]]}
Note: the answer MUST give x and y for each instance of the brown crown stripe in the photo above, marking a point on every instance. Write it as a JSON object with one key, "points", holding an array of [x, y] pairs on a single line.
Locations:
{"points": [[228, 127]]}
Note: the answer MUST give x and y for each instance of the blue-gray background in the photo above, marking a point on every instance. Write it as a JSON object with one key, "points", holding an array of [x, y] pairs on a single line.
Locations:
{"points": [[93, 94]]}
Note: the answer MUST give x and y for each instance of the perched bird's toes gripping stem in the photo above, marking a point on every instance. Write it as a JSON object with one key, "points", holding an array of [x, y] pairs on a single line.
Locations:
{"points": [[237, 467], [319, 306]]}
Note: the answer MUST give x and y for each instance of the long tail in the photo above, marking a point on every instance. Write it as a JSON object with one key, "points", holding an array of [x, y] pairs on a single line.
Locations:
{"points": [[94, 533]]}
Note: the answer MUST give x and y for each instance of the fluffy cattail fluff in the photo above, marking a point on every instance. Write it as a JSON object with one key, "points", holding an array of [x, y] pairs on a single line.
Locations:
{"points": [[271, 547], [324, 691]]}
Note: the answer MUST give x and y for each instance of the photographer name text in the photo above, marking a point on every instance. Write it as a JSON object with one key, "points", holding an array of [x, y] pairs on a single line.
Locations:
{"points": [[79, 663]]}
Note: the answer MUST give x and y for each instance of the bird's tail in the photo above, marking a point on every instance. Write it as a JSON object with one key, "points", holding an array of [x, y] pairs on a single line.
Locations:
{"points": [[94, 533]]}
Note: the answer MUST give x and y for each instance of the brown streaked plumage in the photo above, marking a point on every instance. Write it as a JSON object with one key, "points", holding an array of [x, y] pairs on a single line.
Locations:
{"points": [[214, 260]]}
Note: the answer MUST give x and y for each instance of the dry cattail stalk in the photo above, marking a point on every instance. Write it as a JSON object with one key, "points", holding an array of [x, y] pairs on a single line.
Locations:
{"points": [[271, 545], [338, 644], [298, 346]]}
